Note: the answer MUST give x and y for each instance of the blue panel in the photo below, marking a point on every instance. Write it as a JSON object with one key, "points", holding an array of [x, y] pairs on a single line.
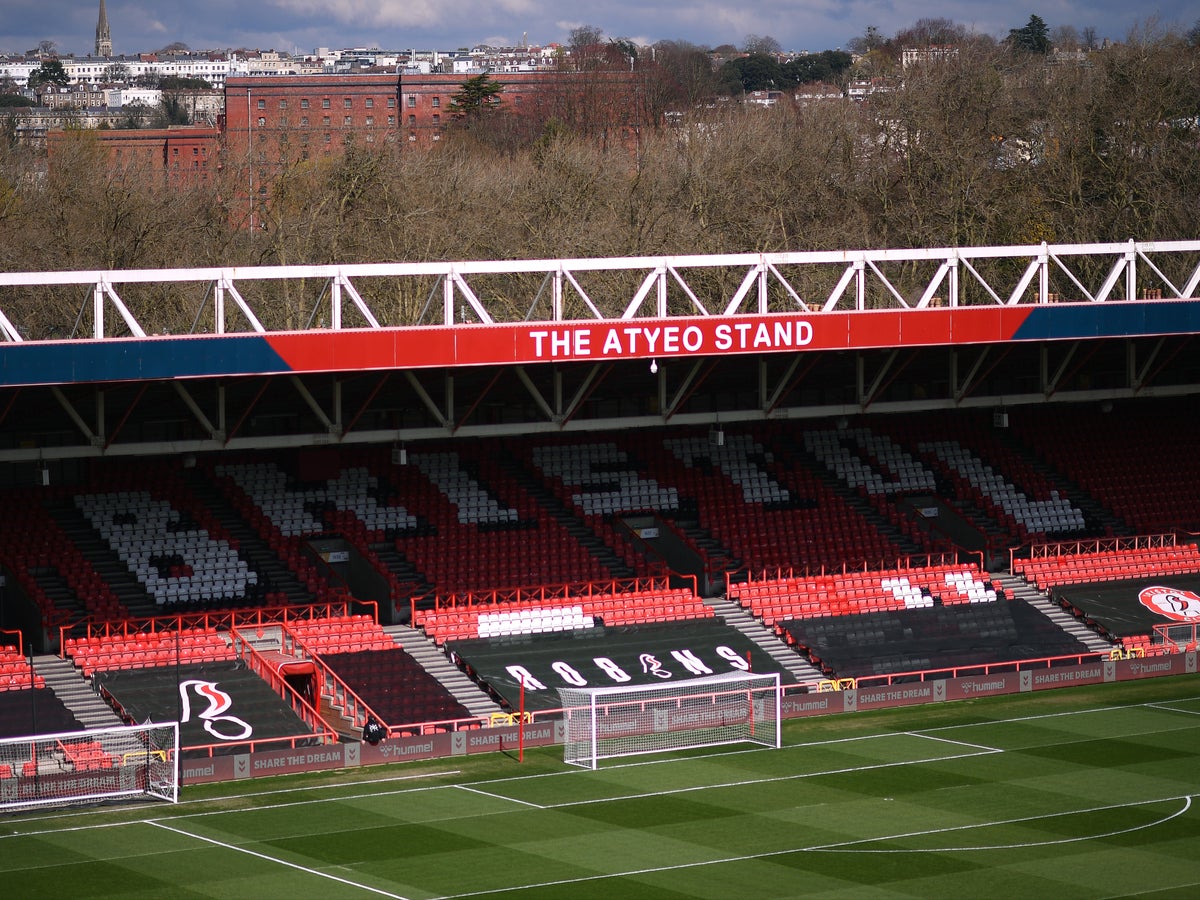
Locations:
{"points": [[137, 359], [1109, 320]]}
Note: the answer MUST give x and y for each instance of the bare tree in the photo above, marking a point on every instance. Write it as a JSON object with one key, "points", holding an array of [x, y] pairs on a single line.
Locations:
{"points": [[756, 43]]}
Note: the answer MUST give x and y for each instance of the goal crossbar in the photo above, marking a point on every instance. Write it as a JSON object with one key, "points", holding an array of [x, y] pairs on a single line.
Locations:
{"points": [[74, 767], [625, 720]]}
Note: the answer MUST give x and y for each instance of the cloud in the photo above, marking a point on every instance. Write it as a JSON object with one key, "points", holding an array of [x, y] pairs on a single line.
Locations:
{"points": [[139, 25]]}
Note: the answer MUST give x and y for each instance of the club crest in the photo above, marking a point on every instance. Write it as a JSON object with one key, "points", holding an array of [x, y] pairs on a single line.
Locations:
{"points": [[1174, 603]]}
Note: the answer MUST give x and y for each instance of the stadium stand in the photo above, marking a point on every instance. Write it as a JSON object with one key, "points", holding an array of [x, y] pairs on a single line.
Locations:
{"points": [[485, 547]]}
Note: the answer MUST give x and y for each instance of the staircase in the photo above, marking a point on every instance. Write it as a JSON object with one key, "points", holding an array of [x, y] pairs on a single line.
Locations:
{"points": [[1022, 590], [435, 662], [736, 616], [273, 573], [1099, 519], [108, 565], [574, 525], [402, 567], [75, 693]]}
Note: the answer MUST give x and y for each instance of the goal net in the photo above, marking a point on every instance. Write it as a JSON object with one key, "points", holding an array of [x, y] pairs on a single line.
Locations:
{"points": [[90, 766], [607, 722]]}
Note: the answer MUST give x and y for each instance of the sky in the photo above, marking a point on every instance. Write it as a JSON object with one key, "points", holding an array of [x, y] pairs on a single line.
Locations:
{"points": [[303, 25]]}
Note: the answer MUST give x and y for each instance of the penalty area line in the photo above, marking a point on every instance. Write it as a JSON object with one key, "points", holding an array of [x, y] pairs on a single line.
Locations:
{"points": [[274, 859]]}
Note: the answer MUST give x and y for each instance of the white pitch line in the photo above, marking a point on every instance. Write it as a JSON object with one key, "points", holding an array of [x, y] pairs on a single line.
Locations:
{"points": [[854, 846], [930, 737], [221, 798], [1167, 708], [277, 861], [768, 854], [494, 796], [848, 770]]}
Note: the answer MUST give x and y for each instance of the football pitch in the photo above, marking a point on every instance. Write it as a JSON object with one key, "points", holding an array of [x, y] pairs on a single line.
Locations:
{"points": [[1086, 792]]}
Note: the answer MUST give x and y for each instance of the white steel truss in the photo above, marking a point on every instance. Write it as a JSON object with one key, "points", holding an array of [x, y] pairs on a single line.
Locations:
{"points": [[64, 421], [341, 296]]}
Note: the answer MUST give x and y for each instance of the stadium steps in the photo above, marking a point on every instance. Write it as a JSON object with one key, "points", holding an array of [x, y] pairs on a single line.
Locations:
{"points": [[1099, 519], [108, 565], [737, 617], [719, 557], [75, 692], [55, 587], [566, 517], [404, 569], [435, 662], [1022, 590], [797, 457], [273, 573], [345, 729]]}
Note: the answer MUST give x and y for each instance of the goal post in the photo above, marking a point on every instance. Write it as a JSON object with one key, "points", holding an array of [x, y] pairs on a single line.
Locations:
{"points": [[625, 720], [90, 766]]}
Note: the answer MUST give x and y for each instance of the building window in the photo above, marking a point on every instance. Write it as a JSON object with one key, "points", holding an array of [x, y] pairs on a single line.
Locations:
{"points": [[195, 151], [391, 102], [262, 104], [347, 120], [412, 120], [412, 100], [328, 138], [370, 103], [391, 120], [325, 103], [370, 138], [283, 121], [283, 104], [370, 120], [436, 102], [304, 121], [304, 103], [437, 120], [412, 135], [347, 103], [262, 120], [325, 120]]}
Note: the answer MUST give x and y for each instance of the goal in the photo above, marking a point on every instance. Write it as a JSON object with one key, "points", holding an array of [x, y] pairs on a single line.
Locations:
{"points": [[606, 722], [90, 766]]}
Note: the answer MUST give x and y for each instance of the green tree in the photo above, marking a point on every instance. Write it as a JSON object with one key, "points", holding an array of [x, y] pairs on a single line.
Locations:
{"points": [[1033, 38], [49, 72], [174, 110], [183, 83], [755, 72], [477, 95], [828, 65]]}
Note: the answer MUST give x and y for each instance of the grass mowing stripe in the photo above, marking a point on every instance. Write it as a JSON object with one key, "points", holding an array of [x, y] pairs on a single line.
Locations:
{"points": [[1071, 824], [282, 862], [819, 773], [856, 846]]}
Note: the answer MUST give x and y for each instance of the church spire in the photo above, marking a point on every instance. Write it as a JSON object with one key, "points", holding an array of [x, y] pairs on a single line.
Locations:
{"points": [[103, 39]]}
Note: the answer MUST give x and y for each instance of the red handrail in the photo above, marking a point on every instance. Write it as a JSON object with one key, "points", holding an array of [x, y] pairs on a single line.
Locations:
{"points": [[264, 670]]}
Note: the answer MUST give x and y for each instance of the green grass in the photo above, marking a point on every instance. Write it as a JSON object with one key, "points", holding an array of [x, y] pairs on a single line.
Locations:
{"points": [[1088, 792]]}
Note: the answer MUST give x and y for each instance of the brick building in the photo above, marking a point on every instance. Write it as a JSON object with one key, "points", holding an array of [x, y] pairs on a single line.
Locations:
{"points": [[183, 154], [275, 119], [270, 120]]}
